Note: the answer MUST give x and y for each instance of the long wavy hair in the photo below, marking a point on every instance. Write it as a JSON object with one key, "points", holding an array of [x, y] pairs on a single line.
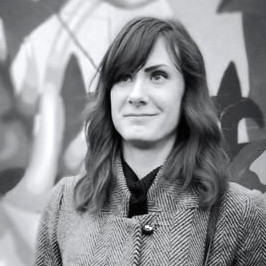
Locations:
{"points": [[197, 158]]}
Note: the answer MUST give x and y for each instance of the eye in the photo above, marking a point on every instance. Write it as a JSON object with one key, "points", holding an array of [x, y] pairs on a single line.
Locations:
{"points": [[159, 76]]}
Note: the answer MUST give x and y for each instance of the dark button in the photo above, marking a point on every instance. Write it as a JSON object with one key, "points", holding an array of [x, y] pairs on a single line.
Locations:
{"points": [[147, 229]]}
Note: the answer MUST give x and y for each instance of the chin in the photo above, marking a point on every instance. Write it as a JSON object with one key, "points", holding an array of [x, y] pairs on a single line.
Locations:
{"points": [[140, 143]]}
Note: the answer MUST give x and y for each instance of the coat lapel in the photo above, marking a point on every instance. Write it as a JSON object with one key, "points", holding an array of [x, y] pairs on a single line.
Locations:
{"points": [[187, 223], [177, 213]]}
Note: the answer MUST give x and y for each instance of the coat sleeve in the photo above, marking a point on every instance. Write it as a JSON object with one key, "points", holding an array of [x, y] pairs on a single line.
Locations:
{"points": [[252, 248], [48, 250]]}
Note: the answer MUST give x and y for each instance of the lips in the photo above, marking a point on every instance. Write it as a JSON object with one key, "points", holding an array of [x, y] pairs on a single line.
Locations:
{"points": [[139, 115]]}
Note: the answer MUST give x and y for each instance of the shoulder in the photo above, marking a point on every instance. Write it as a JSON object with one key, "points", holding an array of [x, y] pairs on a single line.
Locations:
{"points": [[244, 206], [244, 197], [243, 219], [67, 184], [61, 195]]}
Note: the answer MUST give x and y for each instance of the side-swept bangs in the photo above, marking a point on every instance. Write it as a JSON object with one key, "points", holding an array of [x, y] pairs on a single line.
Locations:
{"points": [[130, 50]]}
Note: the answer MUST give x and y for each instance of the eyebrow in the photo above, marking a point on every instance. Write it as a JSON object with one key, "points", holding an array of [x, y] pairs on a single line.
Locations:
{"points": [[151, 68]]}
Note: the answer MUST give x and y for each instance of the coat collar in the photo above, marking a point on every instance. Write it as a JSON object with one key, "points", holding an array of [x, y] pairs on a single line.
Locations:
{"points": [[163, 196]]}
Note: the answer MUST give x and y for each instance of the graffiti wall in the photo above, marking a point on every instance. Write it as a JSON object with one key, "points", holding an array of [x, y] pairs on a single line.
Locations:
{"points": [[49, 52]]}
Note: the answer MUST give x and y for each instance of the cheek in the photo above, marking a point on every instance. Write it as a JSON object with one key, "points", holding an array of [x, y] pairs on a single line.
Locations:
{"points": [[174, 106], [113, 105], [117, 98], [116, 105], [112, 97]]}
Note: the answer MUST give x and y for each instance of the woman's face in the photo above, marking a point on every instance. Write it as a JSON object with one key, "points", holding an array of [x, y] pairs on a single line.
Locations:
{"points": [[145, 105]]}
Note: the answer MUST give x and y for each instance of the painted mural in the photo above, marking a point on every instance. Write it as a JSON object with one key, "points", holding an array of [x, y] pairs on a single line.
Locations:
{"points": [[49, 52]]}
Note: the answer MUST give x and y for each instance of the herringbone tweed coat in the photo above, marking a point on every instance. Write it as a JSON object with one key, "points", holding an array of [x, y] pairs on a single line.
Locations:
{"points": [[178, 229]]}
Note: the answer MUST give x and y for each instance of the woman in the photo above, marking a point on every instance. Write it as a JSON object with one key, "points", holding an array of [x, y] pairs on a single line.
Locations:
{"points": [[155, 186]]}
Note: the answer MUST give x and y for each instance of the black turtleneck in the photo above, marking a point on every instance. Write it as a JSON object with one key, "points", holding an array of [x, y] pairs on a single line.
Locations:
{"points": [[138, 188]]}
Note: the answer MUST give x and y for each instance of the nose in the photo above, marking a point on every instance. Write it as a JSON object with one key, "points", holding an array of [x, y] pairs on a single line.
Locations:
{"points": [[138, 93]]}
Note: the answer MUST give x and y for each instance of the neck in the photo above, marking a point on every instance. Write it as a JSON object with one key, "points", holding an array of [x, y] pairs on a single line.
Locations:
{"points": [[144, 159]]}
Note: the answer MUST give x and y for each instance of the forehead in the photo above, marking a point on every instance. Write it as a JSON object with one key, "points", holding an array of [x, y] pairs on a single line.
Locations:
{"points": [[160, 54]]}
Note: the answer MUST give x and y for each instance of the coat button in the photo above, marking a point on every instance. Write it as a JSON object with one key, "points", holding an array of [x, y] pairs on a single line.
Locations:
{"points": [[147, 229]]}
